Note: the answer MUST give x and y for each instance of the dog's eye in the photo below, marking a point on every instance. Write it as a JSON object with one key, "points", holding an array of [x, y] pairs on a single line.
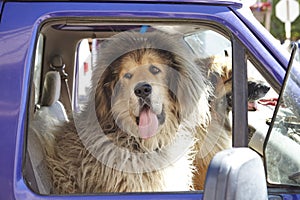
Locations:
{"points": [[154, 70], [128, 75]]}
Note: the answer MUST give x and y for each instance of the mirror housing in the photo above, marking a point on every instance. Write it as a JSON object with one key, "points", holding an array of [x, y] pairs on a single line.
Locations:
{"points": [[236, 173]]}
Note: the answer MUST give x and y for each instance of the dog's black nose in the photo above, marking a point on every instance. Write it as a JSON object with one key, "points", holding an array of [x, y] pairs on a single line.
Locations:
{"points": [[142, 90]]}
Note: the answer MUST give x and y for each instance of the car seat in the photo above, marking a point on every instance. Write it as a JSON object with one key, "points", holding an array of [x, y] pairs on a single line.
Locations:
{"points": [[44, 116], [50, 106]]}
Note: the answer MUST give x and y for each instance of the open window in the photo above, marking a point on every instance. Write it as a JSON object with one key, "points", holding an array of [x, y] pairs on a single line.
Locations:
{"points": [[68, 92]]}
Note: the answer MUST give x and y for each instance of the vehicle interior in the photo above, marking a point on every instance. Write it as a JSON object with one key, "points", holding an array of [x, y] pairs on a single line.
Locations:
{"points": [[66, 54]]}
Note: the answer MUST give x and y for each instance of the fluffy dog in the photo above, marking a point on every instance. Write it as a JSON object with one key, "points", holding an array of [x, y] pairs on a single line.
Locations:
{"points": [[147, 106], [218, 132]]}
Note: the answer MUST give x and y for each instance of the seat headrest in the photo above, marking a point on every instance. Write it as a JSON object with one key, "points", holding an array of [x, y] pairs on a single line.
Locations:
{"points": [[51, 88]]}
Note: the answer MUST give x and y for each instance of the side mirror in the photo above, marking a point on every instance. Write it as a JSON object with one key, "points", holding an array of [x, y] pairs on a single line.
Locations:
{"points": [[236, 173]]}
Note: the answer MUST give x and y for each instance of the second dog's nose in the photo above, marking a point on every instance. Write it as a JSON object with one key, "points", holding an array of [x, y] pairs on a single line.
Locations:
{"points": [[142, 90]]}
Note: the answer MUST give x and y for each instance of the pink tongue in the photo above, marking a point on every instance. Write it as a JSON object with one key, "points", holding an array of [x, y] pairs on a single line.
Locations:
{"points": [[148, 124]]}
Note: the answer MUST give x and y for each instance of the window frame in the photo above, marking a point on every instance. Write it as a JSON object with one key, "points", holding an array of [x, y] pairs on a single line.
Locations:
{"points": [[210, 26], [229, 34]]}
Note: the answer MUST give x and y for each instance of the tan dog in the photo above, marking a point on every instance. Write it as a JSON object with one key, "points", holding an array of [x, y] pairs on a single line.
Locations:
{"points": [[219, 130]]}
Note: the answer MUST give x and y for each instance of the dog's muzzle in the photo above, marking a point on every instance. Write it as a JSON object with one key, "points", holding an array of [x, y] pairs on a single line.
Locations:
{"points": [[147, 121]]}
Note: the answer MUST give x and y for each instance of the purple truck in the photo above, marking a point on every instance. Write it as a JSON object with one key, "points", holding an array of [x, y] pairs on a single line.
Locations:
{"points": [[233, 104]]}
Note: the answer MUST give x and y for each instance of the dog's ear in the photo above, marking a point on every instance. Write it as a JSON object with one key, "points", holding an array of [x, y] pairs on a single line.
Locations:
{"points": [[193, 90], [218, 65], [103, 93]]}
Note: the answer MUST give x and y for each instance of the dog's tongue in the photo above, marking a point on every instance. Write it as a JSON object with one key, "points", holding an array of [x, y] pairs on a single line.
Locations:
{"points": [[148, 124]]}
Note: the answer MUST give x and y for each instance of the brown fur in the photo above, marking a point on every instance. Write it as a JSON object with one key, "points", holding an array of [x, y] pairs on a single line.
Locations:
{"points": [[218, 132], [100, 149]]}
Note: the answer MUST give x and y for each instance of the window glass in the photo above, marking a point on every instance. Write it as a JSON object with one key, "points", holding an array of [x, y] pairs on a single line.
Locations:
{"points": [[283, 146], [38, 67], [207, 43], [84, 67], [148, 102]]}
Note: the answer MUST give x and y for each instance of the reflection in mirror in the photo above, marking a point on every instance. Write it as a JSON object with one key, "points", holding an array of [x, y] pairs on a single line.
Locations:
{"points": [[282, 147]]}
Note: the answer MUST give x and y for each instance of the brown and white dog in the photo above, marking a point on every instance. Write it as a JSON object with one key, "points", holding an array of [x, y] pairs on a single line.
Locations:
{"points": [[148, 105]]}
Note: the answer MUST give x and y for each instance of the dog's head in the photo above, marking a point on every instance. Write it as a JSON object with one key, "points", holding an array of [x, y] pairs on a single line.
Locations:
{"points": [[146, 86], [256, 90], [144, 99], [220, 74]]}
